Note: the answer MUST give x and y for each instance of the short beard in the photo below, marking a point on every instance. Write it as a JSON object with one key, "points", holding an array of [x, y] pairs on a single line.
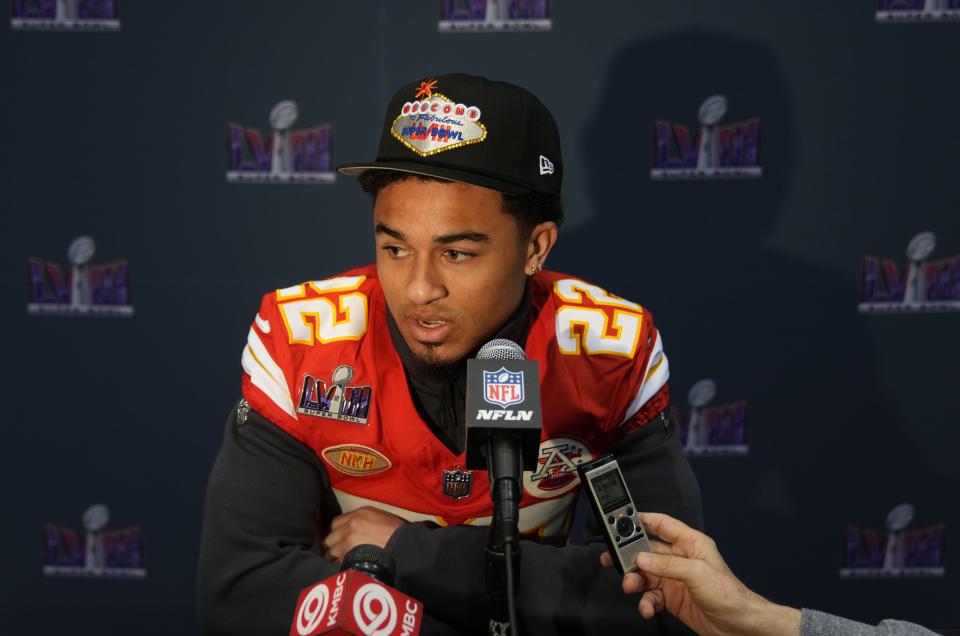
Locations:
{"points": [[429, 366]]}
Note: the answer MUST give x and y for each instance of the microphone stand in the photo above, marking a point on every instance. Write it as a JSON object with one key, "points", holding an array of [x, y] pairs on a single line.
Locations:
{"points": [[502, 572]]}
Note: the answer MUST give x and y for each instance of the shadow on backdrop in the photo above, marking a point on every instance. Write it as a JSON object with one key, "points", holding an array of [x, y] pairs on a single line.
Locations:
{"points": [[826, 446]]}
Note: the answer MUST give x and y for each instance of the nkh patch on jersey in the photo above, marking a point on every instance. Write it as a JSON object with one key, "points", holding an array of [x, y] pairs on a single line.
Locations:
{"points": [[502, 387], [339, 401], [356, 460]]}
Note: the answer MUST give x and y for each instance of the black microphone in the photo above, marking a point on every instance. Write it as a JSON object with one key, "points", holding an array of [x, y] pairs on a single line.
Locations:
{"points": [[503, 435], [350, 603], [503, 397], [373, 561]]}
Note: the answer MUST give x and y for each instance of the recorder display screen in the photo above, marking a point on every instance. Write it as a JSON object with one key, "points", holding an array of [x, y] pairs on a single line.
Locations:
{"points": [[610, 490]]}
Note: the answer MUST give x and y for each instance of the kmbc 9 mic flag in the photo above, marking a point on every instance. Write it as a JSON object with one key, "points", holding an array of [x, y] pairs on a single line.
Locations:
{"points": [[354, 603]]}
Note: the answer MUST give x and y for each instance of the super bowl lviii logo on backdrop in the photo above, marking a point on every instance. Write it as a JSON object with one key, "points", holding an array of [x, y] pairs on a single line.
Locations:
{"points": [[921, 286], [287, 156], [730, 151], [98, 553], [65, 15], [896, 553], [84, 290], [494, 15], [918, 10], [713, 430]]}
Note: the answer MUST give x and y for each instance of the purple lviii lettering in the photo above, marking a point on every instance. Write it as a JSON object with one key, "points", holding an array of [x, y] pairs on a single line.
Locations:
{"points": [[527, 9], [108, 284], [943, 279], [47, 9], [901, 5], [882, 281], [863, 549], [47, 283], [61, 547], [923, 548], [315, 394], [672, 147], [312, 149], [96, 9], [739, 144], [727, 424], [356, 401], [122, 548], [469, 10], [245, 150]]}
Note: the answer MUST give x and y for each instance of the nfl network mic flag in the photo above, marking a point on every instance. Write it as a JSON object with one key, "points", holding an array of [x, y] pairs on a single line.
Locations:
{"points": [[503, 395]]}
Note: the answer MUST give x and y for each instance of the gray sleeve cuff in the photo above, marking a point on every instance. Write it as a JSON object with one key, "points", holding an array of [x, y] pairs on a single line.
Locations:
{"points": [[814, 623]]}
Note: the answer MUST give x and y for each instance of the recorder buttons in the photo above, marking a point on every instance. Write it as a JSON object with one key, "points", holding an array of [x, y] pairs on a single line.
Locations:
{"points": [[629, 512], [611, 520], [625, 526]]}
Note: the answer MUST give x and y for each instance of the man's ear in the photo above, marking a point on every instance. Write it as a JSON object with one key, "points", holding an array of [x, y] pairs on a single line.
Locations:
{"points": [[542, 239]]}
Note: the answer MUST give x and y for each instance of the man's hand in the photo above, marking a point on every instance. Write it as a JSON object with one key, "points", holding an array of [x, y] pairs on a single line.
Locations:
{"points": [[689, 578], [363, 525]]}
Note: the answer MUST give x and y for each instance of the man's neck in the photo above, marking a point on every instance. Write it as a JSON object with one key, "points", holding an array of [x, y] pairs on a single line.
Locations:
{"points": [[440, 393]]}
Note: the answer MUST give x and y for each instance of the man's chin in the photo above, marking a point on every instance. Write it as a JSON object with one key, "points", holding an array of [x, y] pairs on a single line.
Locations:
{"points": [[437, 361]]}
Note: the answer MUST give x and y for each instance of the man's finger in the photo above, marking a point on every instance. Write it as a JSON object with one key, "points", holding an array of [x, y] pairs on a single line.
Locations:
{"points": [[659, 547], [665, 526], [339, 520], [683, 539], [670, 566], [333, 537], [650, 603], [605, 560]]}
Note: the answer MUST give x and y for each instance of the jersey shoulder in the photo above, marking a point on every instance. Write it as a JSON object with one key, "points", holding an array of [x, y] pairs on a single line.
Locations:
{"points": [[304, 327], [586, 319], [602, 353]]}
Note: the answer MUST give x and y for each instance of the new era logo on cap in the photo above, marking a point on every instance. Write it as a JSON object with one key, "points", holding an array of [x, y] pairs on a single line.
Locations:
{"points": [[546, 166]]}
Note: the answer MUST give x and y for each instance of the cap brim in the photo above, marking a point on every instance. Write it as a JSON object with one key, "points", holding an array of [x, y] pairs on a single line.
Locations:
{"points": [[450, 174]]}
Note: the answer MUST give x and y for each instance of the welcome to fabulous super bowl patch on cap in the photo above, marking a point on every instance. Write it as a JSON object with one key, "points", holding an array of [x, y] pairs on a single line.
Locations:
{"points": [[473, 130]]}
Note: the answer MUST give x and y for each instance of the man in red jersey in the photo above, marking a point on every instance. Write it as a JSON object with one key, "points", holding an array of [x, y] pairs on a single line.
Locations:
{"points": [[352, 425]]}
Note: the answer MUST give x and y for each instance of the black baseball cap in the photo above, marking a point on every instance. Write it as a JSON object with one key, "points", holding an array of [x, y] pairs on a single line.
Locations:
{"points": [[473, 130]]}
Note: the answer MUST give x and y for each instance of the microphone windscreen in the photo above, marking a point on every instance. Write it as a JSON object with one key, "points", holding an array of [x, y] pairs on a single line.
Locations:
{"points": [[501, 349], [372, 560]]}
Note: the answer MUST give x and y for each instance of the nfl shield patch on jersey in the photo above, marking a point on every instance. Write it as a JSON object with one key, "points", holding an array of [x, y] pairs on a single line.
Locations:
{"points": [[457, 483]]}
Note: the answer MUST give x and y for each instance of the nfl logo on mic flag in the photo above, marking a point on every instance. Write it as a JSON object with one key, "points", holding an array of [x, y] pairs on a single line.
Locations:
{"points": [[502, 387]]}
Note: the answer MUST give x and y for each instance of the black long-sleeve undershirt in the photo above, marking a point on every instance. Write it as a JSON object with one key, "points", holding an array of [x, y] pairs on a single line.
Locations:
{"points": [[268, 502]]}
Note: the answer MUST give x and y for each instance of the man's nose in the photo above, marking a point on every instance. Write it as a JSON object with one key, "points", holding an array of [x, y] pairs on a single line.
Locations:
{"points": [[425, 284]]}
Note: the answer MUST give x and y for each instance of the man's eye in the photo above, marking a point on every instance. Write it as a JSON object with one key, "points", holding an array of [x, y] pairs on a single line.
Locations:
{"points": [[394, 250], [457, 256]]}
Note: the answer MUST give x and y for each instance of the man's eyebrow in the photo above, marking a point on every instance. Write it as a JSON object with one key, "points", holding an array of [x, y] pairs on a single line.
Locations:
{"points": [[461, 236], [383, 229]]}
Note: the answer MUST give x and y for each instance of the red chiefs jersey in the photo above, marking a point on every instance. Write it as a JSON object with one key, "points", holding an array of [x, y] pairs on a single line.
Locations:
{"points": [[320, 364]]}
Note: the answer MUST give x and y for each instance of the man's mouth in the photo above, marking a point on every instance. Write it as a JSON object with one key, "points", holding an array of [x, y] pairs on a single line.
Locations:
{"points": [[429, 329]]}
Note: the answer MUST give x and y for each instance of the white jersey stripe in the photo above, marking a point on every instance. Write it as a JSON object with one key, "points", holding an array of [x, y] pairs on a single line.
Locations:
{"points": [[265, 374], [654, 378]]}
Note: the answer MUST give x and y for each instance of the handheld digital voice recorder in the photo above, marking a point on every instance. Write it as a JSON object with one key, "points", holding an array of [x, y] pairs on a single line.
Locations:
{"points": [[613, 505]]}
